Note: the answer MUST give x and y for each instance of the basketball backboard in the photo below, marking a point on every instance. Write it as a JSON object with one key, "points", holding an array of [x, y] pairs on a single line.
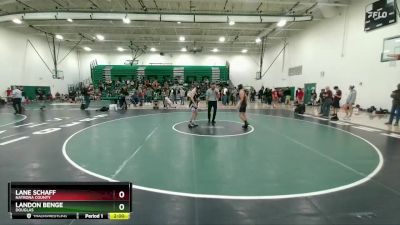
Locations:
{"points": [[391, 49]]}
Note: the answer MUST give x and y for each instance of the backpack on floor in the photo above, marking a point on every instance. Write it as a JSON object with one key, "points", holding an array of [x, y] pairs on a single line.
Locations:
{"points": [[103, 109], [371, 109], [334, 118], [300, 109]]}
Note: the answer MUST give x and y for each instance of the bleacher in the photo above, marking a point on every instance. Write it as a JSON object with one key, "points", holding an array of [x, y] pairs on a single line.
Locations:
{"points": [[162, 73]]}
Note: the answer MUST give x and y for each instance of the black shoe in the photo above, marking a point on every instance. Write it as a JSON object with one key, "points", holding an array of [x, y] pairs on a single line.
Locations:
{"points": [[190, 125], [213, 123], [388, 123], [334, 118], [396, 124]]}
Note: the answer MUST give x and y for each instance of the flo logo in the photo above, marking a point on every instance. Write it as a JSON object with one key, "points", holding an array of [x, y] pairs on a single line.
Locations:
{"points": [[28, 215], [377, 15]]}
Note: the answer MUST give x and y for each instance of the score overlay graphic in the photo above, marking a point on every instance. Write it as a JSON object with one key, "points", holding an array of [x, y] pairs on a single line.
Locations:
{"points": [[70, 200]]}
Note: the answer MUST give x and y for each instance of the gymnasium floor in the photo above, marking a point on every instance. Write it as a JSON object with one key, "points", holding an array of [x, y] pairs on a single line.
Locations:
{"points": [[285, 169]]}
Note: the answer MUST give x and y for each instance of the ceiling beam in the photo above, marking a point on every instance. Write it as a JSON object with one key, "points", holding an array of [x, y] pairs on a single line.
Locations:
{"points": [[81, 12], [214, 43], [164, 36], [144, 8], [26, 5], [133, 26], [93, 4]]}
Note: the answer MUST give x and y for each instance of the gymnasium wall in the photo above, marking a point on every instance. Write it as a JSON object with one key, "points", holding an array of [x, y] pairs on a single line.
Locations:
{"points": [[337, 51], [243, 67], [20, 65]]}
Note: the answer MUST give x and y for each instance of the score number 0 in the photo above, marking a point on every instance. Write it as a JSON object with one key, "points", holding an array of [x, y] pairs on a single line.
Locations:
{"points": [[121, 194]]}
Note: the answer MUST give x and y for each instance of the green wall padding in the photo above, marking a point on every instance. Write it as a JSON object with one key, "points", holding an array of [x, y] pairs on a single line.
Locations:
{"points": [[161, 73], [30, 91]]}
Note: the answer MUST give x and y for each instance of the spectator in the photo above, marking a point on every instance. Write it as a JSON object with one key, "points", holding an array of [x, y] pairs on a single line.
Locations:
{"points": [[336, 102], [260, 93], [253, 95], [275, 98], [395, 107], [86, 97], [300, 96], [122, 99], [224, 95], [326, 105], [8, 92], [268, 96], [58, 96], [182, 95], [350, 101], [40, 96], [314, 97], [288, 94], [149, 95]]}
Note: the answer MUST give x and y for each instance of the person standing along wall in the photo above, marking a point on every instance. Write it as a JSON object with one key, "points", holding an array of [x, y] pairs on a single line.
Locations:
{"points": [[40, 95], [336, 103], [288, 94], [326, 105], [350, 101], [86, 97], [300, 96], [395, 107]]}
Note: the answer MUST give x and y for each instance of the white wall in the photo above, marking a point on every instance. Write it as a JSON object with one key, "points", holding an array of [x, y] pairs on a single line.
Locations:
{"points": [[338, 46], [20, 65], [345, 53], [243, 67]]}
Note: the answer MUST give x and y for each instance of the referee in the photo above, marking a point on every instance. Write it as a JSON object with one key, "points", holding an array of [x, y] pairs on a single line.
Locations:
{"points": [[212, 96]]}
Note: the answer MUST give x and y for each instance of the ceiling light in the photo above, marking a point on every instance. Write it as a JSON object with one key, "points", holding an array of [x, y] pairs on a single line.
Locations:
{"points": [[215, 50], [182, 38], [221, 39], [70, 20], [17, 21], [87, 49], [120, 49], [281, 23], [183, 50], [258, 40], [59, 36], [179, 22], [100, 37], [153, 49], [244, 51], [126, 20], [231, 23]]}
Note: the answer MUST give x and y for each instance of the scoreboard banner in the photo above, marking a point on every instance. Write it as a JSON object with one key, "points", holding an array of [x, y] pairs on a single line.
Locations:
{"points": [[70, 200], [380, 14]]}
